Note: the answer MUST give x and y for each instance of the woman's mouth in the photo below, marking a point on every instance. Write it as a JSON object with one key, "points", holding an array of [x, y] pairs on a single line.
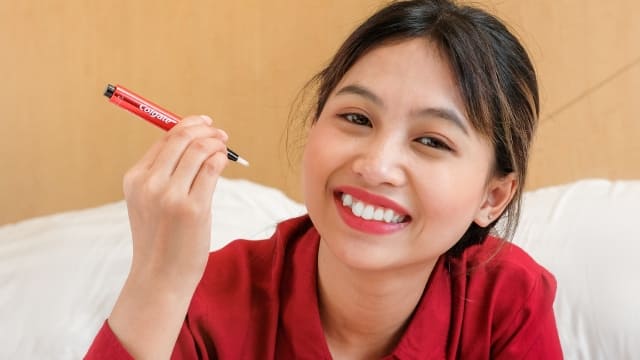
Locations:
{"points": [[367, 211]]}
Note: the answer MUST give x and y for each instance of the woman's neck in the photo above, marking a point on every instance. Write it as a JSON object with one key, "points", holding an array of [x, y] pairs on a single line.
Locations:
{"points": [[365, 313]]}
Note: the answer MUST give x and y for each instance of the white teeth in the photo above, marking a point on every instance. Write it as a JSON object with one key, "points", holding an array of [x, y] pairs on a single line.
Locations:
{"points": [[378, 214], [357, 208], [388, 215], [370, 212]]}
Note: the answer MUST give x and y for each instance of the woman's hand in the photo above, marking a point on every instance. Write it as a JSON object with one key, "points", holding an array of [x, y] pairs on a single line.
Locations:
{"points": [[168, 194]]}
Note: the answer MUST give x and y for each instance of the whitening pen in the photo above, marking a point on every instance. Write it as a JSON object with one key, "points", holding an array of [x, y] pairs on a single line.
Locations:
{"points": [[151, 112]]}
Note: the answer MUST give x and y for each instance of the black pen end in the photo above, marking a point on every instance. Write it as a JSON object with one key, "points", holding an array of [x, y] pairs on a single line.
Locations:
{"points": [[108, 92]]}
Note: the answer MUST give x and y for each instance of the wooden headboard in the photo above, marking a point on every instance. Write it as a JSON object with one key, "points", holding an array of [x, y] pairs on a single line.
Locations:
{"points": [[64, 147]]}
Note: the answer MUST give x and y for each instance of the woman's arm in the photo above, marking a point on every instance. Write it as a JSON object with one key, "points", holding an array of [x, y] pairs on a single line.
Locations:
{"points": [[168, 194]]}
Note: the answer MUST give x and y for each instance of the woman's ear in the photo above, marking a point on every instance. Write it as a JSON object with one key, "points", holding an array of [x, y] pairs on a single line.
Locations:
{"points": [[500, 191]]}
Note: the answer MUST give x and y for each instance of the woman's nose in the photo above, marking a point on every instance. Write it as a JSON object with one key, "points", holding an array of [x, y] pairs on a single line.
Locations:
{"points": [[381, 162]]}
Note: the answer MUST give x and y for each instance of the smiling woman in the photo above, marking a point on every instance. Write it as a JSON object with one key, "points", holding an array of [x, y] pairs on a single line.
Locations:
{"points": [[418, 145], [401, 158]]}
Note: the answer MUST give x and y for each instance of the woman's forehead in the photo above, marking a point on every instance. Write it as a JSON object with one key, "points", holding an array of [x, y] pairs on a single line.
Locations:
{"points": [[412, 59], [412, 70]]}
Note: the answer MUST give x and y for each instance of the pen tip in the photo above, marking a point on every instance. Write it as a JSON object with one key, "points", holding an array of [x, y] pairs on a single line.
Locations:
{"points": [[242, 161]]}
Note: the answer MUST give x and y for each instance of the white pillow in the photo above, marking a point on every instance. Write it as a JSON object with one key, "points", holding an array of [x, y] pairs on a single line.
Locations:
{"points": [[587, 234], [60, 274]]}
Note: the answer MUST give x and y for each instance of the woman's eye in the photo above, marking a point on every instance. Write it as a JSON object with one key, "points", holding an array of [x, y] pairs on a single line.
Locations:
{"points": [[357, 119], [433, 142]]}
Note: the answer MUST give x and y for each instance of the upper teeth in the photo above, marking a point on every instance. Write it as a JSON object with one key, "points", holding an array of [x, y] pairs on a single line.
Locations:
{"points": [[369, 212]]}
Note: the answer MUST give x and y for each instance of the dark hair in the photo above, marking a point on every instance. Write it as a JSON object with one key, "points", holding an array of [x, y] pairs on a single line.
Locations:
{"points": [[494, 74]]}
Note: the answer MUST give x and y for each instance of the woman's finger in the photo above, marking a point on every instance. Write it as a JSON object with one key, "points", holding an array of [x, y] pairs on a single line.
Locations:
{"points": [[175, 144], [192, 161], [149, 157], [207, 177]]}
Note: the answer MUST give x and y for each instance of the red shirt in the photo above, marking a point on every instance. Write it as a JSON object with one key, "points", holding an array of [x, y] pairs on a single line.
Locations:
{"points": [[257, 300]]}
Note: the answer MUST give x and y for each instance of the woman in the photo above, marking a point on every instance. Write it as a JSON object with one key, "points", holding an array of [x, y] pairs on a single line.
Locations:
{"points": [[418, 146]]}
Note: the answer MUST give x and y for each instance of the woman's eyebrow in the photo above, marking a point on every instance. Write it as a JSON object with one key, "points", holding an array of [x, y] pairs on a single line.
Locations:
{"points": [[446, 114], [438, 112], [362, 91]]}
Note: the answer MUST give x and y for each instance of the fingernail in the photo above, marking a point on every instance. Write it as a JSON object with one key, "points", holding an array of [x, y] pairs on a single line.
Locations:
{"points": [[207, 119]]}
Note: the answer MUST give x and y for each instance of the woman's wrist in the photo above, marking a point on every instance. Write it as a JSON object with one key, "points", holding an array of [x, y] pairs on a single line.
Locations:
{"points": [[149, 313], [176, 280]]}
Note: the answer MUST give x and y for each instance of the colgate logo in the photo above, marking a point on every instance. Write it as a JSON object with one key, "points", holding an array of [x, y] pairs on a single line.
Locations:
{"points": [[155, 114]]}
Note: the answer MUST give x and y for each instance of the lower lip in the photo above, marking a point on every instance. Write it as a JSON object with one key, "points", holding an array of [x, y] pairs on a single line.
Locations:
{"points": [[366, 226]]}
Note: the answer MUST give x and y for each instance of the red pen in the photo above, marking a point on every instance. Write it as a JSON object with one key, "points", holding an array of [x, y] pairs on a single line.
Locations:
{"points": [[151, 112]]}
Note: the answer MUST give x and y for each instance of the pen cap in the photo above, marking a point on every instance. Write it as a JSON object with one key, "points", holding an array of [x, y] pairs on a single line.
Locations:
{"points": [[108, 92]]}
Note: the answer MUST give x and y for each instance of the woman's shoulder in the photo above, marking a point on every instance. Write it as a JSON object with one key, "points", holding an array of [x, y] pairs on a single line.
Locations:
{"points": [[501, 280], [245, 267], [496, 259], [505, 300], [258, 257], [240, 290], [241, 283]]}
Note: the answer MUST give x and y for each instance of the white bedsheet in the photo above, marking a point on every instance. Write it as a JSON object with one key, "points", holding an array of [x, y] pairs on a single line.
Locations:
{"points": [[60, 274]]}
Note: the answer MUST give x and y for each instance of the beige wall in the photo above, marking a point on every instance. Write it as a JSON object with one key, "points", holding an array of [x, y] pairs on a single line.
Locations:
{"points": [[587, 53], [242, 62]]}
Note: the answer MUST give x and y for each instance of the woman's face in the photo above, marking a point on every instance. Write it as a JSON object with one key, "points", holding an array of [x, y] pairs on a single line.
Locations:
{"points": [[393, 172]]}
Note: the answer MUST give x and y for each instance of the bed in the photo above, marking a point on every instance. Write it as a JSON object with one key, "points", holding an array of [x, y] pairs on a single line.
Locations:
{"points": [[60, 274]]}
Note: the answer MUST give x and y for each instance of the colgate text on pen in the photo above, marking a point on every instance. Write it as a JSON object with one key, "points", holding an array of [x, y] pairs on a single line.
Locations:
{"points": [[155, 114]]}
